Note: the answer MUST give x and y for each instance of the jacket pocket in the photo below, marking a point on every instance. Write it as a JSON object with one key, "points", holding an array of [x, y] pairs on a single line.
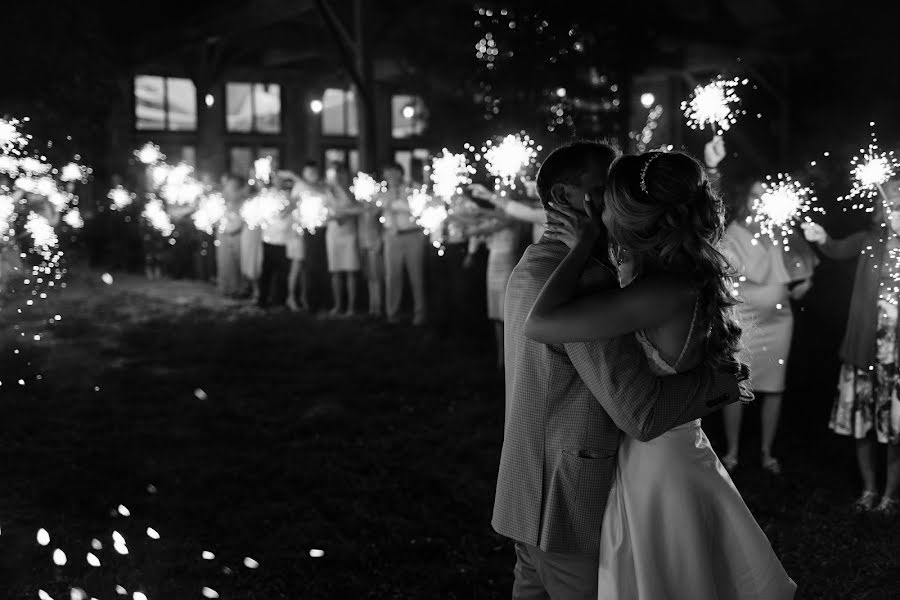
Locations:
{"points": [[580, 491]]}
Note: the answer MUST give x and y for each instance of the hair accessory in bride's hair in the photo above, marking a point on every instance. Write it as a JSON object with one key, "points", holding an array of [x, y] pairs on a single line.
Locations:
{"points": [[644, 172]]}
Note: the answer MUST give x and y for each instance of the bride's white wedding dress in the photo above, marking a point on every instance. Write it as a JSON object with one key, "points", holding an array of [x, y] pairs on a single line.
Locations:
{"points": [[676, 527]]}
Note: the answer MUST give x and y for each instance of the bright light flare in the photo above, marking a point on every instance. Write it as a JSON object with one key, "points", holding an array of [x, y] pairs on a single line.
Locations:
{"points": [[41, 231], [149, 154], [311, 212], [73, 219], [262, 169], [7, 209], [782, 206], [157, 217], [72, 172], [714, 105], [508, 158], [10, 136], [365, 188], [449, 173], [209, 212], [120, 197], [261, 209]]}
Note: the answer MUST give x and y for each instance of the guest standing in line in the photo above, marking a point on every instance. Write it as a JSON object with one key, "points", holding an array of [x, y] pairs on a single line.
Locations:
{"points": [[228, 238], [404, 247], [769, 277], [342, 242], [371, 244], [252, 258], [502, 239], [273, 278], [867, 406]]}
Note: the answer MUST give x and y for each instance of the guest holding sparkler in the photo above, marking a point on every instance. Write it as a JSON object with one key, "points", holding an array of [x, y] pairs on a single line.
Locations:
{"points": [[769, 275], [371, 244], [309, 182], [502, 240], [404, 247], [341, 241], [252, 257], [867, 406], [520, 209], [273, 279], [228, 238]]}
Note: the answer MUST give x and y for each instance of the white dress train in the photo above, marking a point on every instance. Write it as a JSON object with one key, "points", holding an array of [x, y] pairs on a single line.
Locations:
{"points": [[676, 527]]}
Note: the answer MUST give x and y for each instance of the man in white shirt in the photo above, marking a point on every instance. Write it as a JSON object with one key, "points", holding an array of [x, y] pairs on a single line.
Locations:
{"points": [[275, 266]]}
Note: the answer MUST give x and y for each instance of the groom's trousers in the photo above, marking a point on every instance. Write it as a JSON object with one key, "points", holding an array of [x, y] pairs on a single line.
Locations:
{"points": [[543, 575]]}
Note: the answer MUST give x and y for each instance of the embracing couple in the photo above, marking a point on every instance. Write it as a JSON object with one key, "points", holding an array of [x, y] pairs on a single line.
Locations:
{"points": [[619, 339]]}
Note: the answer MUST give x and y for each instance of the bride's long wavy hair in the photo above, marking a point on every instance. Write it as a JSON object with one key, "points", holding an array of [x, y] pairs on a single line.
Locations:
{"points": [[663, 210]]}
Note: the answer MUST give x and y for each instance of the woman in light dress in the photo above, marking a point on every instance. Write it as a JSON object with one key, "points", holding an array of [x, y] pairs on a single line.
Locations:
{"points": [[770, 276], [867, 406], [675, 526], [342, 242]]}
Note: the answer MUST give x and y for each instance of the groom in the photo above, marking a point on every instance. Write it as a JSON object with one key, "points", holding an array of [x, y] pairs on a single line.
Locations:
{"points": [[567, 405]]}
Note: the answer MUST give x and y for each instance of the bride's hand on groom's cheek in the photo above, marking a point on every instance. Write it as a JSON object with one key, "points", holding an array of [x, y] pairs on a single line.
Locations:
{"points": [[571, 227]]}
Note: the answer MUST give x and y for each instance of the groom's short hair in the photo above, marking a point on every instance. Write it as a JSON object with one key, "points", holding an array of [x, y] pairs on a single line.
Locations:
{"points": [[569, 162]]}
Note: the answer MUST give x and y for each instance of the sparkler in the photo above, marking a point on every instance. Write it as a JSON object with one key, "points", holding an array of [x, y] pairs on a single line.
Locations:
{"points": [[449, 173], [72, 172], [428, 214], [871, 169], [149, 154], [120, 197], [259, 210], [508, 158], [34, 166], [73, 219], [156, 215], [710, 104], [42, 233], [783, 204], [311, 212], [262, 169], [9, 165], [7, 210], [10, 136], [365, 188], [209, 213]]}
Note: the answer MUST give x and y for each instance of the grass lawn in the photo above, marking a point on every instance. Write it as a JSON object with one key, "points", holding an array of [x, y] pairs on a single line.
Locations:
{"points": [[269, 435]]}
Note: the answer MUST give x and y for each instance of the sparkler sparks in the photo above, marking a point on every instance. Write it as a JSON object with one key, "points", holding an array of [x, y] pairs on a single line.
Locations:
{"points": [[365, 188], [871, 169], [120, 197], [262, 208], [262, 169], [711, 104], [508, 158], [10, 136], [149, 154], [73, 172], [209, 212], [311, 212], [783, 204], [73, 219], [42, 233], [449, 173], [156, 215]]}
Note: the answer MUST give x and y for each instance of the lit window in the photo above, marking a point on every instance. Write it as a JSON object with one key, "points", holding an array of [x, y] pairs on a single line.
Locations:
{"points": [[253, 107], [241, 159], [408, 116], [413, 163], [339, 115], [164, 103], [346, 156]]}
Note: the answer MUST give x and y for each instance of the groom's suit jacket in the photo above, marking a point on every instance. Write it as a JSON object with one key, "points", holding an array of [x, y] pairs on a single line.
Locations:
{"points": [[566, 407]]}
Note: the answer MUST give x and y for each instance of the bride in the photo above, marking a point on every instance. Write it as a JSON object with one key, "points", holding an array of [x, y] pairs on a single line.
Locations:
{"points": [[675, 525]]}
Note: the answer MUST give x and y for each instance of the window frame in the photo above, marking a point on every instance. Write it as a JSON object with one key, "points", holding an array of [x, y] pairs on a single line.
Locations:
{"points": [[253, 131], [165, 94]]}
